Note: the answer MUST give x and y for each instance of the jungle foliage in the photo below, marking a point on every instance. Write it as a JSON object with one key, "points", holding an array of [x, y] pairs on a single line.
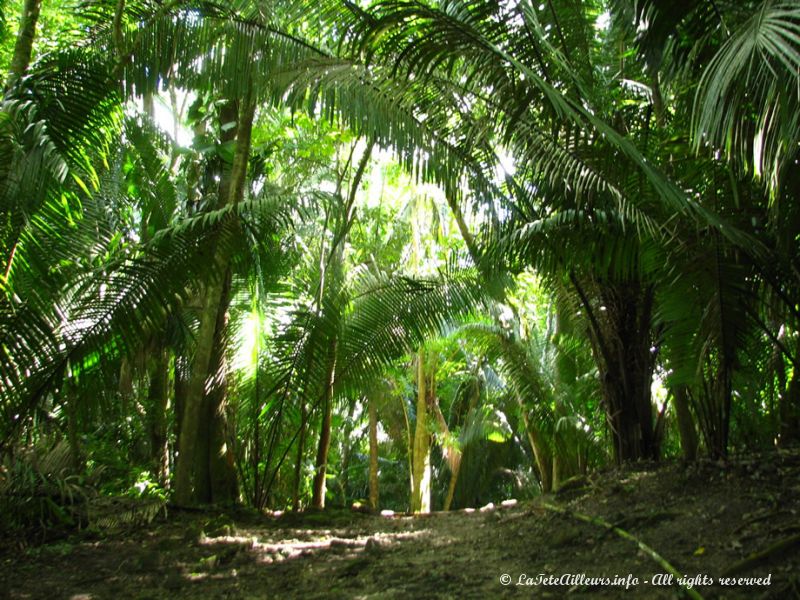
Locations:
{"points": [[417, 254]]}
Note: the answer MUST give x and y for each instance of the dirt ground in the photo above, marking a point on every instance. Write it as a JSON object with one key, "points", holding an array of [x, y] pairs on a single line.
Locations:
{"points": [[703, 519]]}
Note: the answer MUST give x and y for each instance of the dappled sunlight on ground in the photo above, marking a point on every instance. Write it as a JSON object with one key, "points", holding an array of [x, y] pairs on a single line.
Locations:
{"points": [[299, 543], [701, 518]]}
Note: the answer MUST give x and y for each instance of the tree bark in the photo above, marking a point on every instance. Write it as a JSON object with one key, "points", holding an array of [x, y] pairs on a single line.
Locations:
{"points": [[157, 405], [334, 263], [347, 450], [214, 459], [23, 49], [541, 453], [180, 385], [73, 433], [298, 465], [621, 343], [789, 410], [421, 476], [565, 447], [212, 301], [125, 385], [373, 454], [686, 429], [450, 450], [321, 466]]}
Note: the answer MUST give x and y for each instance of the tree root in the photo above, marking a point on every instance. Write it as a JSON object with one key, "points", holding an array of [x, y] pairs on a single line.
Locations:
{"points": [[691, 593]]}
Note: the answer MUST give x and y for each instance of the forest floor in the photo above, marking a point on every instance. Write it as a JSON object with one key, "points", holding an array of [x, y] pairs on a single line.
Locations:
{"points": [[703, 519]]}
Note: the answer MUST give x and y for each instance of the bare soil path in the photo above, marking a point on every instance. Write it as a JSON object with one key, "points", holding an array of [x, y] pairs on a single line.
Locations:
{"points": [[703, 519]]}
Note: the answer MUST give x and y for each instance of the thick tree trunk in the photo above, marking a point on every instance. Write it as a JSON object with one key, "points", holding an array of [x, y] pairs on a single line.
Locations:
{"points": [[212, 301], [321, 466], [713, 404], [622, 347], [193, 412], [214, 468], [23, 49], [221, 464], [373, 454]]}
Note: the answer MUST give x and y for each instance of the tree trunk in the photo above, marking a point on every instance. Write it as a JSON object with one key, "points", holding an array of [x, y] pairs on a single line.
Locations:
{"points": [[193, 413], [321, 466], [214, 455], [451, 488], [180, 385], [298, 465], [451, 450], [421, 476], [686, 429], [125, 386], [789, 410], [212, 304], [373, 454], [23, 49], [541, 452], [73, 434], [565, 447], [347, 449], [157, 405], [622, 342]]}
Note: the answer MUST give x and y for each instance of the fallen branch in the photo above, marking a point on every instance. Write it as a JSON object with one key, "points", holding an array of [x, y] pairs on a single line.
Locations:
{"points": [[692, 593], [757, 557]]}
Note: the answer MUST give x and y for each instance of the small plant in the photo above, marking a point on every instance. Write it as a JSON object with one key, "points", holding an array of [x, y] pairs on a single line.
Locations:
{"points": [[38, 492], [147, 486]]}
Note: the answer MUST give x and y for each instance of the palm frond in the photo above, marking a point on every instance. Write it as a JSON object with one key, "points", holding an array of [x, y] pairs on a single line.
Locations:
{"points": [[746, 101]]}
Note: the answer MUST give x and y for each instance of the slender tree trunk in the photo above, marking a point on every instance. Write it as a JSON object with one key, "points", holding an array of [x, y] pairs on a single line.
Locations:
{"points": [[451, 488], [373, 454], [73, 434], [541, 452], [180, 385], [157, 415], [789, 410], [421, 476], [23, 49], [212, 300], [565, 448], [686, 429], [451, 451], [321, 466], [347, 449], [125, 386], [330, 283], [298, 465]]}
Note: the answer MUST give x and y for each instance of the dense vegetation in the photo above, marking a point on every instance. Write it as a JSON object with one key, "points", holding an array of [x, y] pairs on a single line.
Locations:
{"points": [[416, 254]]}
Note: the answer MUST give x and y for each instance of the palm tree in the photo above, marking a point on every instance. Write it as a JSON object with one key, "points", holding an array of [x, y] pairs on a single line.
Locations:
{"points": [[581, 157]]}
